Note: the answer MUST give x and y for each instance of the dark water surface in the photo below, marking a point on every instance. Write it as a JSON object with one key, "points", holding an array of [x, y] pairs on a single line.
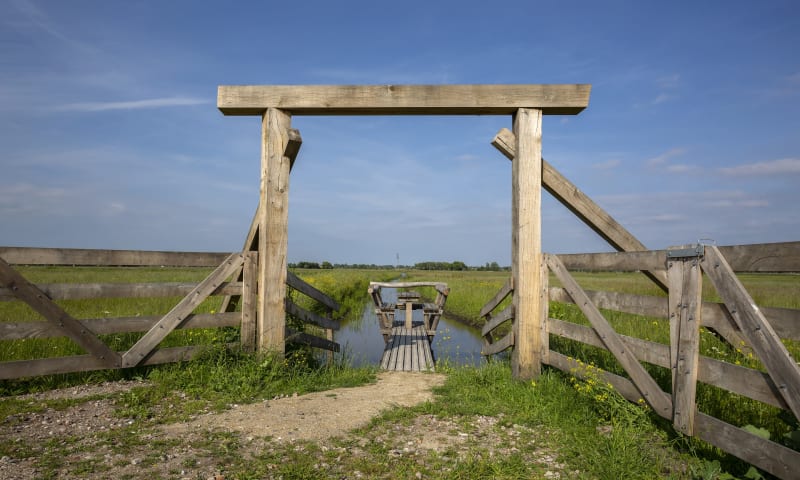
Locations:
{"points": [[362, 342]]}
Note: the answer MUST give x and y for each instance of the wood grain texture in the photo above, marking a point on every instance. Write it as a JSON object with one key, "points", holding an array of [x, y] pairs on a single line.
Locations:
{"points": [[756, 258], [108, 258], [526, 243], [306, 289], [273, 230], [737, 379], [104, 326], [88, 363], [249, 329], [251, 240], [497, 320], [501, 295], [685, 311], [79, 291], [499, 345], [310, 317], [303, 338], [568, 99], [439, 286], [754, 327], [150, 340], [652, 393], [72, 328], [764, 454], [581, 205]]}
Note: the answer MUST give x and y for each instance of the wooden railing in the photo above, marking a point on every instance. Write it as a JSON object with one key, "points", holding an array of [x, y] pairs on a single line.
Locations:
{"points": [[85, 331], [760, 329], [308, 317]]}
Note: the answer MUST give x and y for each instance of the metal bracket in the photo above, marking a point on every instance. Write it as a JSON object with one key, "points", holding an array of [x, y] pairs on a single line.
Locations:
{"points": [[696, 251]]}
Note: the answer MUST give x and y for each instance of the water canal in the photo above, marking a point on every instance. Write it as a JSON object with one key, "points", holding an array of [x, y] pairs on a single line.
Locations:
{"points": [[362, 343]]}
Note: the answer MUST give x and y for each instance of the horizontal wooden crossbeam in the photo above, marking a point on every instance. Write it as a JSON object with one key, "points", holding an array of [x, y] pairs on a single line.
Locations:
{"points": [[568, 99]]}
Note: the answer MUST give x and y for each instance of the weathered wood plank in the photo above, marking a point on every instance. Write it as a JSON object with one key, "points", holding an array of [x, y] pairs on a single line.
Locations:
{"points": [[581, 205], [88, 363], [402, 99], [150, 340], [108, 258], [310, 317], [104, 326], [77, 291], [652, 393], [249, 329], [764, 454], [785, 321], [38, 300], [301, 286], [439, 286], [230, 302], [407, 350], [499, 345], [652, 260], [735, 378], [622, 302], [685, 300], [501, 295], [526, 244], [310, 340], [763, 257], [754, 327], [757, 258], [273, 230], [494, 322]]}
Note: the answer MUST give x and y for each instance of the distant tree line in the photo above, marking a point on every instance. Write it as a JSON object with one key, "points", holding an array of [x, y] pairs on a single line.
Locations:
{"points": [[447, 266]]}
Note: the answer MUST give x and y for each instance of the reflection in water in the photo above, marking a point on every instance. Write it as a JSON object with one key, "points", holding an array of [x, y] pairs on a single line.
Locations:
{"points": [[362, 343]]}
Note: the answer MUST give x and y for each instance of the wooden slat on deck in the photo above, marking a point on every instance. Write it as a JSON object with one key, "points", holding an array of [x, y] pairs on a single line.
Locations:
{"points": [[407, 350]]}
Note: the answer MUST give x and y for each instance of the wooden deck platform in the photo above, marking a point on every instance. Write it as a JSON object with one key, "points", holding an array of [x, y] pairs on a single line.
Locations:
{"points": [[408, 350]]}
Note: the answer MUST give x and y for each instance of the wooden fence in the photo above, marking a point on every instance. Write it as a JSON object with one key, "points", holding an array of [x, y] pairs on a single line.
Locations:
{"points": [[58, 323], [760, 328]]}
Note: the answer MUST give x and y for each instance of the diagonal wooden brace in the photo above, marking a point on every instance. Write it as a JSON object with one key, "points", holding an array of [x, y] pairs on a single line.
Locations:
{"points": [[754, 326], [183, 309], [651, 392], [39, 301], [251, 241], [597, 219]]}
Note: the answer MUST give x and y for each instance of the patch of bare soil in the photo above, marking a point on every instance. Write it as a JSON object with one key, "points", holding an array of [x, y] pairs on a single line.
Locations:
{"points": [[318, 415]]}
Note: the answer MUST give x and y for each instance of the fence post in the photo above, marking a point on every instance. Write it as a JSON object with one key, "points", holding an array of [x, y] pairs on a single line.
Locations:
{"points": [[526, 245], [249, 329], [273, 231], [684, 279]]}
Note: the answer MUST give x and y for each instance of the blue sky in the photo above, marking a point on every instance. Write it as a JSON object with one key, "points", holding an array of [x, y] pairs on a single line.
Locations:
{"points": [[111, 137]]}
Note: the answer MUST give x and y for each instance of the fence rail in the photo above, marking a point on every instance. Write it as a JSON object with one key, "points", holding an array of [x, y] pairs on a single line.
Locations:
{"points": [[58, 323], [761, 328]]}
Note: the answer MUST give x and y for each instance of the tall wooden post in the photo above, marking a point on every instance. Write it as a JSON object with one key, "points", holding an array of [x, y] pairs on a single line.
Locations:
{"points": [[526, 244], [273, 230]]}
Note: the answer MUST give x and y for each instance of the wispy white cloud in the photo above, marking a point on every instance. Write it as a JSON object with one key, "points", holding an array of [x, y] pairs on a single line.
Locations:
{"points": [[783, 166], [669, 81], [681, 168], [37, 18], [662, 97], [133, 104], [661, 159]]}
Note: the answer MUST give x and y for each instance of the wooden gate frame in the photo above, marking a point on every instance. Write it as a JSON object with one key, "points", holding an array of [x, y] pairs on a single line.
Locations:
{"points": [[685, 267], [147, 344], [276, 104]]}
